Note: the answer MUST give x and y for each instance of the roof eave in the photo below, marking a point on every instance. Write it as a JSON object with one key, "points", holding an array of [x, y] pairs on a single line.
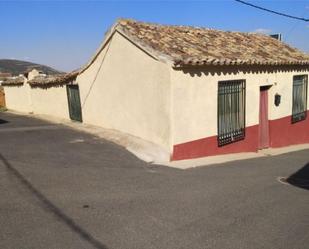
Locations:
{"points": [[226, 62], [12, 84], [59, 80]]}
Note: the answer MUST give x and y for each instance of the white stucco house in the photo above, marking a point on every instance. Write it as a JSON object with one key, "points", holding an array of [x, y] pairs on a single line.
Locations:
{"points": [[193, 91]]}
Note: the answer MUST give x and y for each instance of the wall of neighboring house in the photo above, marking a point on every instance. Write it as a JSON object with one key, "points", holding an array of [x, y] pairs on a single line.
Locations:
{"points": [[18, 98], [50, 100], [127, 90], [195, 110], [2, 97]]}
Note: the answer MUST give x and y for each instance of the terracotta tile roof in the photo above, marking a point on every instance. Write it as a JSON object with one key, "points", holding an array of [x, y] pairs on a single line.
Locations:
{"points": [[59, 79], [182, 45], [13, 81]]}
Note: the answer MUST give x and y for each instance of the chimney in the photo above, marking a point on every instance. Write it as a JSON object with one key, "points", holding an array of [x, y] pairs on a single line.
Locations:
{"points": [[276, 36]]}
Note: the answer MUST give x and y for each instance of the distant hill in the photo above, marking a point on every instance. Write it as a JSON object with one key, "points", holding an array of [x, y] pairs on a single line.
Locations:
{"points": [[16, 67]]}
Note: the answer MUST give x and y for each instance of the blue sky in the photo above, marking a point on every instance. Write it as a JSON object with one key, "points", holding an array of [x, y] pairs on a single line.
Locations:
{"points": [[65, 34]]}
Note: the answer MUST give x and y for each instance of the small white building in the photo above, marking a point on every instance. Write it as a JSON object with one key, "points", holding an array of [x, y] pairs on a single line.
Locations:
{"points": [[193, 91]]}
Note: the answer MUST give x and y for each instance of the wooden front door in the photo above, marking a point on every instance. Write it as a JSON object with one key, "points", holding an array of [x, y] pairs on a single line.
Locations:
{"points": [[75, 109], [264, 123]]}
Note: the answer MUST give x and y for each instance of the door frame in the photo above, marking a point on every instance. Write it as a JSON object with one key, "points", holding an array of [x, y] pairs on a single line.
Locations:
{"points": [[264, 130], [77, 103]]}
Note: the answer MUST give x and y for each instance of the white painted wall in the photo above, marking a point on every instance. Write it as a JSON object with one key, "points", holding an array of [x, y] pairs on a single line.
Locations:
{"points": [[127, 90], [284, 87], [17, 98], [195, 99], [50, 101]]}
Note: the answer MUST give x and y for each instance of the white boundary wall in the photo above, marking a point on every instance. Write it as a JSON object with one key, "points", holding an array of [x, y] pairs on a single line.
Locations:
{"points": [[17, 98], [50, 101]]}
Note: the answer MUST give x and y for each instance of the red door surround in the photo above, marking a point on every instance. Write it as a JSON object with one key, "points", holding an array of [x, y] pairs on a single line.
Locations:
{"points": [[264, 123]]}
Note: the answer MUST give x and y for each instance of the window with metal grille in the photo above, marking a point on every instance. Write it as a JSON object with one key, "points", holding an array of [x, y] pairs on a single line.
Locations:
{"points": [[231, 111], [299, 109]]}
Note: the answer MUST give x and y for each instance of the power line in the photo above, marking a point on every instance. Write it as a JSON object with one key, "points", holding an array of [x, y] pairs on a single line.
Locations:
{"points": [[294, 26], [272, 11]]}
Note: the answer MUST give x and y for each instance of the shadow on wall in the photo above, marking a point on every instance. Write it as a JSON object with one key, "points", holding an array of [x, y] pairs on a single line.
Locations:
{"points": [[47, 86], [235, 69], [300, 178]]}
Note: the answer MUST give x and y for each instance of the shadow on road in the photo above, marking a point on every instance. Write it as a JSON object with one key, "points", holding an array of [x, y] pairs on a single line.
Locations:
{"points": [[300, 178], [2, 121], [49, 206]]}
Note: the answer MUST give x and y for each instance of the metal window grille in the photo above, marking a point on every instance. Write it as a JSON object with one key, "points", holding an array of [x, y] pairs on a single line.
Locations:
{"points": [[231, 111], [299, 109]]}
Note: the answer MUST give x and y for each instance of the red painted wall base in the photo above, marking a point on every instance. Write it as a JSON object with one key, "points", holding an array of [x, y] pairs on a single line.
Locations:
{"points": [[209, 146], [282, 133]]}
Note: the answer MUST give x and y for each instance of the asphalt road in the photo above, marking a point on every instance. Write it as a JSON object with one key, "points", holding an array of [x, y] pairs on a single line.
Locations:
{"points": [[63, 189]]}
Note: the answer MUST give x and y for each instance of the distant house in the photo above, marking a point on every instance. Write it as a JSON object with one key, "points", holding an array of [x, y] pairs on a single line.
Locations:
{"points": [[194, 91], [36, 92]]}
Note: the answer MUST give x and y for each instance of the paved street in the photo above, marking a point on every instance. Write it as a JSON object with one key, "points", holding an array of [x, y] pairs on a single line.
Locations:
{"points": [[63, 189]]}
